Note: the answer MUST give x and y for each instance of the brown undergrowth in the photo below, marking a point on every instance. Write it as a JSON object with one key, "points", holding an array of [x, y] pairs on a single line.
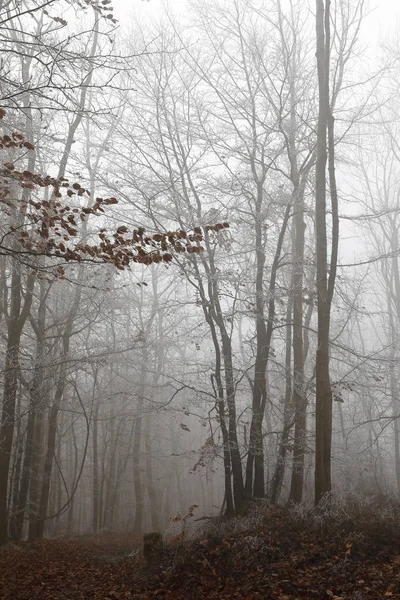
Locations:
{"points": [[340, 552]]}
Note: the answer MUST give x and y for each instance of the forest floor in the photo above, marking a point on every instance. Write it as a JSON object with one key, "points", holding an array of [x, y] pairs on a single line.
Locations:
{"points": [[270, 554]]}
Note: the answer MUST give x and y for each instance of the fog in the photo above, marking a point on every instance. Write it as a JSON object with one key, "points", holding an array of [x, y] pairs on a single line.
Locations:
{"points": [[245, 343]]}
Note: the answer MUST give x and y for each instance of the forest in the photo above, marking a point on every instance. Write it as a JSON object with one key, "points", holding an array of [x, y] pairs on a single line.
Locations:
{"points": [[199, 264]]}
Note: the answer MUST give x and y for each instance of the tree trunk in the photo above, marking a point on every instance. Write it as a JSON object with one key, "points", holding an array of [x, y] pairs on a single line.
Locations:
{"points": [[15, 323], [256, 449], [35, 433], [137, 456], [213, 315], [323, 402], [155, 503], [73, 454], [95, 472], [36, 474], [26, 473], [299, 396], [50, 452], [111, 472], [37, 530], [255, 458], [279, 472], [393, 296], [17, 467]]}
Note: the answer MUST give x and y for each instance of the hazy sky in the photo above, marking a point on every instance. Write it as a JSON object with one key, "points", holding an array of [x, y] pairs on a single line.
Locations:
{"points": [[381, 21], [150, 8]]}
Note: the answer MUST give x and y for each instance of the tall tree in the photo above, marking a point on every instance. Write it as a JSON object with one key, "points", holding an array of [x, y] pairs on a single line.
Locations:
{"points": [[326, 274]]}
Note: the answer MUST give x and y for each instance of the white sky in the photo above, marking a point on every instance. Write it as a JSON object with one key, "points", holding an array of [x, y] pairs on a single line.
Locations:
{"points": [[385, 14], [147, 8]]}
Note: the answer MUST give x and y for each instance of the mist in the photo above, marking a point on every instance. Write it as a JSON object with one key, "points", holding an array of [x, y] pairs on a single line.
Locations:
{"points": [[199, 262]]}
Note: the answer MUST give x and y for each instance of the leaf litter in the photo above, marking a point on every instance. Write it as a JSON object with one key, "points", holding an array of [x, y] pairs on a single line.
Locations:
{"points": [[279, 557]]}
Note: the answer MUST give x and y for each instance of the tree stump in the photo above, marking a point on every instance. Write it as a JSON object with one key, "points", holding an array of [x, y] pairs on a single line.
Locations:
{"points": [[152, 548]]}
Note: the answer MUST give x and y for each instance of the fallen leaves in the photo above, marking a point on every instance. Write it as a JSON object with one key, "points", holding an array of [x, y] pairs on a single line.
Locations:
{"points": [[278, 560], [95, 567]]}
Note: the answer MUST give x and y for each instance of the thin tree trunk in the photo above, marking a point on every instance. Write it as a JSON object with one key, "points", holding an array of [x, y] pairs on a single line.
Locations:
{"points": [[154, 501], [15, 323], [234, 495], [73, 453], [110, 478], [299, 396], [95, 472], [255, 458], [279, 473], [394, 387], [50, 451], [36, 472], [34, 440], [38, 530], [17, 467], [137, 456], [256, 448], [26, 473]]}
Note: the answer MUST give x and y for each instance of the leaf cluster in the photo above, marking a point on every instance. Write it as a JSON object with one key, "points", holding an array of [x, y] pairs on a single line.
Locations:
{"points": [[51, 227]]}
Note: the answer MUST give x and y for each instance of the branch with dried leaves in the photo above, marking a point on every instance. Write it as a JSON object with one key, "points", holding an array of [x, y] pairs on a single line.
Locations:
{"points": [[50, 227]]}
